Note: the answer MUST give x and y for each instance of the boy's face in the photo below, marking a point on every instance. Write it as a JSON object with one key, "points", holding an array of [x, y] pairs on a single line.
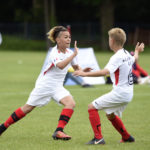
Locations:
{"points": [[64, 39], [110, 42]]}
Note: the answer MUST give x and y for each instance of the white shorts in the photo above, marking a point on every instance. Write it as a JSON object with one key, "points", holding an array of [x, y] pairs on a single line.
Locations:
{"points": [[38, 98], [112, 102]]}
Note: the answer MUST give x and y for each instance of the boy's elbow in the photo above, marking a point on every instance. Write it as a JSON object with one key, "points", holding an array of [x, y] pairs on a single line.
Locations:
{"points": [[60, 66]]}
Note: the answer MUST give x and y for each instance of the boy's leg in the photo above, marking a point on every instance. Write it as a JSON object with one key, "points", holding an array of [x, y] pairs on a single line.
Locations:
{"points": [[64, 118], [141, 70], [15, 116], [96, 126], [119, 126], [95, 123]]}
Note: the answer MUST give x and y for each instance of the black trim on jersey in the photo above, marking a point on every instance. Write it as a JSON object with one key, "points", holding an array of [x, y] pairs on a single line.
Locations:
{"points": [[125, 50], [14, 117]]}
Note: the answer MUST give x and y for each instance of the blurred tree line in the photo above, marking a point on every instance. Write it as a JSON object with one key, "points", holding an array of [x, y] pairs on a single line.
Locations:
{"points": [[54, 12]]}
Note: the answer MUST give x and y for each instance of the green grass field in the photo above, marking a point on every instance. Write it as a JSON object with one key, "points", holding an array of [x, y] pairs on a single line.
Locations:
{"points": [[18, 73]]}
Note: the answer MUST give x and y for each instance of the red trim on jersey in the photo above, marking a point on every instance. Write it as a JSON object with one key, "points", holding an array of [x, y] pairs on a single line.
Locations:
{"points": [[116, 76], [49, 68]]}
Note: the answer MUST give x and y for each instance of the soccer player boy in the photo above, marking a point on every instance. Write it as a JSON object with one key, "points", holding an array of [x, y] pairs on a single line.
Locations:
{"points": [[113, 103], [50, 83]]}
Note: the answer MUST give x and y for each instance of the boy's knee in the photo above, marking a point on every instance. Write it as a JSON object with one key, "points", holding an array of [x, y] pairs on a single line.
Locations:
{"points": [[70, 104], [73, 104], [90, 106], [27, 108], [110, 116]]}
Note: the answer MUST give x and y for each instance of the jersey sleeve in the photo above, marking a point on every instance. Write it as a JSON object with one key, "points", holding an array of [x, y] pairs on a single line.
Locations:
{"points": [[113, 64], [54, 58]]}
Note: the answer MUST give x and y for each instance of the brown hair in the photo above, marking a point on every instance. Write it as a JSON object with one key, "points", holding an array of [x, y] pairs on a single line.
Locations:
{"points": [[118, 35], [54, 32]]}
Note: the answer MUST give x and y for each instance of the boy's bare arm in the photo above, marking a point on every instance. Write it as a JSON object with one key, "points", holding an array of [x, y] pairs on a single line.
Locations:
{"points": [[92, 74], [139, 48]]}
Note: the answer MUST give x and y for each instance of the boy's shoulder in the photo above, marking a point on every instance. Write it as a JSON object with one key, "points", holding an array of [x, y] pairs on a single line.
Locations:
{"points": [[118, 56], [122, 52]]}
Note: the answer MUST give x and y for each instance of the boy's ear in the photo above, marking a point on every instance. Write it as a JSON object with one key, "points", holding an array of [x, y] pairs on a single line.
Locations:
{"points": [[57, 40], [112, 40]]}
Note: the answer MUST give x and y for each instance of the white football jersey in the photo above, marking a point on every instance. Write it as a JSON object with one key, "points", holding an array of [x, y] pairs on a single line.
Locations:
{"points": [[51, 76], [120, 68]]}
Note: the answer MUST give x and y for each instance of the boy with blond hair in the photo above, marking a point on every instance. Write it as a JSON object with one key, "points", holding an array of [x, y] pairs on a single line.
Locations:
{"points": [[113, 103]]}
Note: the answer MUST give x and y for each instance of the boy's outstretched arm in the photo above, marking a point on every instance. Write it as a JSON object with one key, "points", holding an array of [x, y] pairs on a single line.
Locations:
{"points": [[64, 63], [102, 72], [139, 48]]}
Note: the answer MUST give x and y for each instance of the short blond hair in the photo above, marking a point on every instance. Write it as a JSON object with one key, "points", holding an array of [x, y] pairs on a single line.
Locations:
{"points": [[118, 35], [54, 32]]}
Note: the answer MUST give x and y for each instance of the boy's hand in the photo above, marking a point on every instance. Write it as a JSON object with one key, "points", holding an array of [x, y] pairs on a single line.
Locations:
{"points": [[88, 69], [139, 47], [75, 48], [79, 73]]}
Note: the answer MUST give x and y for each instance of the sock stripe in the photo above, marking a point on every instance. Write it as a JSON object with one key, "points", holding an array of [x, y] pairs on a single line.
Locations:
{"points": [[64, 117], [2, 128], [14, 117], [99, 125], [59, 129]]}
